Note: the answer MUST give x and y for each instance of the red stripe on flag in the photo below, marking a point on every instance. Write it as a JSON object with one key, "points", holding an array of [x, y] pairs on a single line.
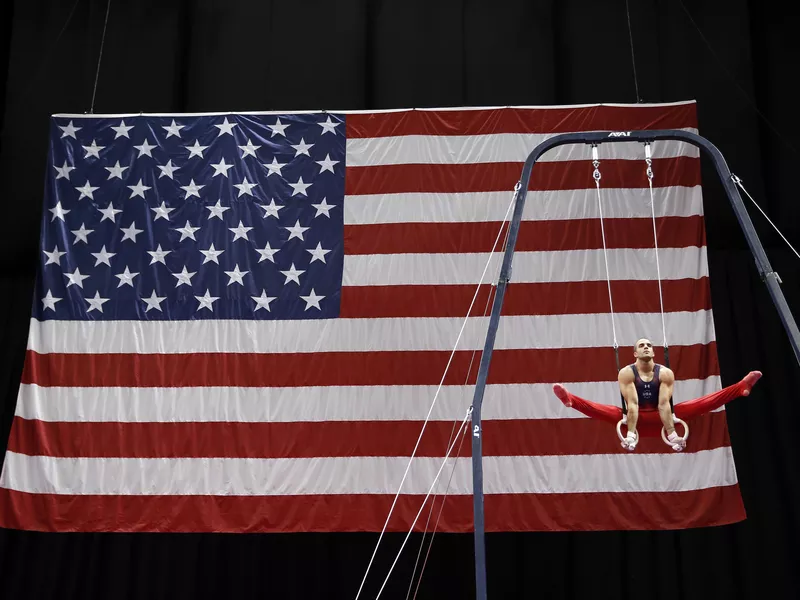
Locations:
{"points": [[534, 236], [563, 298], [490, 177], [520, 120], [250, 514], [343, 368], [530, 437]]}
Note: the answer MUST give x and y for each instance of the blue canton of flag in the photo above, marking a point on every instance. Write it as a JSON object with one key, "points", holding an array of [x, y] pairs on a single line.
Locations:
{"points": [[195, 217]]}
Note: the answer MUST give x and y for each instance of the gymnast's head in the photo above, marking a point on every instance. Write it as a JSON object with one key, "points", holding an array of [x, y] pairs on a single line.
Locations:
{"points": [[643, 350]]}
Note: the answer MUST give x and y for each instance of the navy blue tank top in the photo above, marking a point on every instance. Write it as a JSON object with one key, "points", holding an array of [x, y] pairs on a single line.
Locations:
{"points": [[647, 390]]}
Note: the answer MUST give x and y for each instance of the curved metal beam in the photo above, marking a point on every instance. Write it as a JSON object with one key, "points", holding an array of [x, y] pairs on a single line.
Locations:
{"points": [[770, 278]]}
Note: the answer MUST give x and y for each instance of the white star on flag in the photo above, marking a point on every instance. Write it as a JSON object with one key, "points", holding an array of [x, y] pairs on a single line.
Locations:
{"points": [[58, 212], [131, 232], [296, 231], [300, 187], [245, 187], [49, 301], [211, 254], [86, 191], [103, 257], [54, 257], [187, 231], [225, 127], [109, 213], [217, 210], [328, 126], [240, 232], [196, 150], [236, 275], [206, 301], [139, 189], [317, 253], [69, 130], [221, 168], [126, 278], [249, 149], [184, 277], [76, 278], [279, 128], [115, 171], [271, 209], [323, 208], [327, 164], [82, 234], [158, 255], [144, 149], [263, 301], [162, 212], [96, 303], [63, 171], [193, 189], [292, 274], [122, 130], [267, 253], [167, 170], [274, 167], [312, 300], [93, 150], [302, 148], [154, 302], [173, 129]]}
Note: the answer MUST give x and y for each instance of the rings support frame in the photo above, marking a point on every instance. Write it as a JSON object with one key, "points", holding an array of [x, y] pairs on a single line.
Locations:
{"points": [[768, 276]]}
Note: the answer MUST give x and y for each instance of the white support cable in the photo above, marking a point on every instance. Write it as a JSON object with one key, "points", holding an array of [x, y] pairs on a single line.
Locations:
{"points": [[738, 182], [439, 516], [438, 390], [419, 512], [649, 160], [492, 293], [424, 533], [597, 177], [100, 58], [450, 439]]}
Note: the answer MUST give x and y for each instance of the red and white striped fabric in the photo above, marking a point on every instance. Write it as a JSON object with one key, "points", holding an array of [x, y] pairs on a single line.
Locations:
{"points": [[308, 425]]}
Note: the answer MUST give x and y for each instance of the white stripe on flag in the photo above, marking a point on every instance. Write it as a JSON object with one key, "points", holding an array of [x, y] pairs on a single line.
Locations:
{"points": [[367, 475], [528, 267], [360, 335], [317, 404], [493, 147], [475, 207]]}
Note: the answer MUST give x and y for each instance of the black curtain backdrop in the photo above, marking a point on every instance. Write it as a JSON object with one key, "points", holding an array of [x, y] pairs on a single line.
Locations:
{"points": [[736, 58]]}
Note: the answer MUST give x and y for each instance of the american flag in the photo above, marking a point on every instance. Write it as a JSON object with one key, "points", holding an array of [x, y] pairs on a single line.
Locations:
{"points": [[240, 322]]}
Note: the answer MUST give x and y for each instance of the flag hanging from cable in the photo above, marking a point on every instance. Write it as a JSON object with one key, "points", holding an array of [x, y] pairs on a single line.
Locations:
{"points": [[240, 322]]}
